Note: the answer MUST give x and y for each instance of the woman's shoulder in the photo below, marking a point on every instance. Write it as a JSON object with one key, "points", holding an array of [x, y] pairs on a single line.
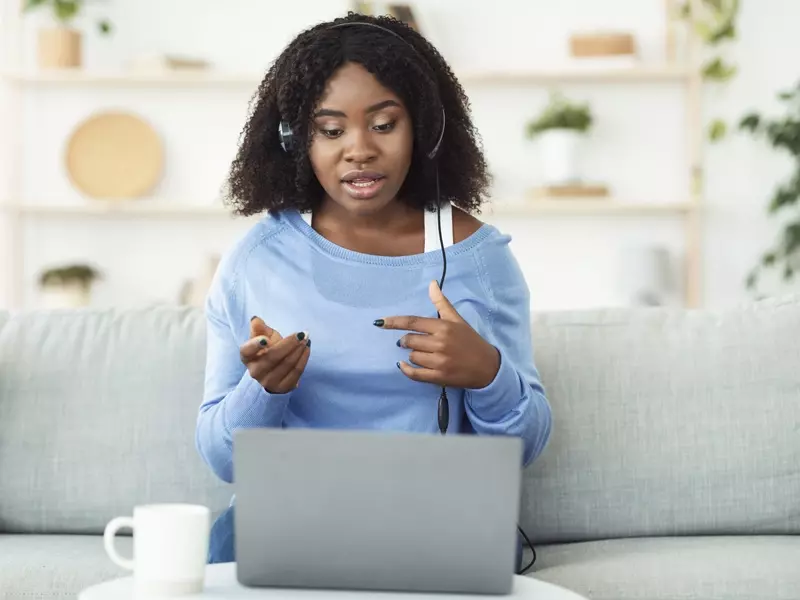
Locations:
{"points": [[467, 227], [262, 236], [496, 259], [464, 225]]}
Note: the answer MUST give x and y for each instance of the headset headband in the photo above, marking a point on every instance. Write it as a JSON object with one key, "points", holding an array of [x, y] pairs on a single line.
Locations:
{"points": [[285, 133]]}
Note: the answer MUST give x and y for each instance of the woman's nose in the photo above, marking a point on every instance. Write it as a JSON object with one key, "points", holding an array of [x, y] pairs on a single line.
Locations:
{"points": [[359, 148]]}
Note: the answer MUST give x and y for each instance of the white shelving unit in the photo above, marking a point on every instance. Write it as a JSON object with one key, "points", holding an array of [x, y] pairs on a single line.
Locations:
{"points": [[99, 208], [114, 78], [685, 73], [538, 76], [166, 209]]}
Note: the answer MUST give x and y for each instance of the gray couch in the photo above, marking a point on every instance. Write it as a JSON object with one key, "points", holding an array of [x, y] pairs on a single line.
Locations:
{"points": [[673, 471]]}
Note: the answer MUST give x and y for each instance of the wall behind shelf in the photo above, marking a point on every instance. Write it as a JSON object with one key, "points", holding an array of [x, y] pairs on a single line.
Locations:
{"points": [[244, 35], [638, 146], [199, 129]]}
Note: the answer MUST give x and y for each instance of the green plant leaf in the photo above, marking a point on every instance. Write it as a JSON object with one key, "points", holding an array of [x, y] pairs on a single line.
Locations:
{"points": [[716, 21], [791, 238], [786, 195], [782, 133], [66, 10], [31, 4], [715, 4], [703, 30], [725, 31], [104, 27], [750, 122], [791, 243], [785, 135], [69, 273], [561, 113], [717, 130], [752, 279], [717, 70]]}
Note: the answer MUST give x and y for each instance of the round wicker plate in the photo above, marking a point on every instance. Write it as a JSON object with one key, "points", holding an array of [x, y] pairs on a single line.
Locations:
{"points": [[114, 155]]}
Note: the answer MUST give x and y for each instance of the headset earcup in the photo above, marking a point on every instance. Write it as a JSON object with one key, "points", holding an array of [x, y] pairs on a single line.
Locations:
{"points": [[285, 136]]}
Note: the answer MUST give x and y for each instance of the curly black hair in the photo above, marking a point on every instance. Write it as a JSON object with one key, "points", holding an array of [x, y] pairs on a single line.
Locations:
{"points": [[264, 177]]}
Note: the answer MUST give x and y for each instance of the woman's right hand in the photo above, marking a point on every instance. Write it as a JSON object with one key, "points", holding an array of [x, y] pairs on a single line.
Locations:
{"points": [[275, 362]]}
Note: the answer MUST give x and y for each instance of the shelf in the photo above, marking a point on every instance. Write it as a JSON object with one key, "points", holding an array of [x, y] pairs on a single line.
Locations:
{"points": [[114, 207], [222, 79], [590, 206], [578, 75], [151, 209], [158, 78]]}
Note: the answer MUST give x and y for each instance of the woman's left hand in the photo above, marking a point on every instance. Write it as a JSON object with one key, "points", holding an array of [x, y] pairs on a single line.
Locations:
{"points": [[447, 351]]}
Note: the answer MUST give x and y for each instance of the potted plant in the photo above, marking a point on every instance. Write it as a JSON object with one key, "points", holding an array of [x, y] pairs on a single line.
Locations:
{"points": [[783, 134], [67, 286], [60, 46], [559, 130]]}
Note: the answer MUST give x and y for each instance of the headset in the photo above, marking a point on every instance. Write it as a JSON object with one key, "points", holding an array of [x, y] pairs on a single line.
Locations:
{"points": [[285, 133], [288, 143]]}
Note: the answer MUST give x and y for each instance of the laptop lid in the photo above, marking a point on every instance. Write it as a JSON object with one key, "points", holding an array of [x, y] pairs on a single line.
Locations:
{"points": [[376, 510]]}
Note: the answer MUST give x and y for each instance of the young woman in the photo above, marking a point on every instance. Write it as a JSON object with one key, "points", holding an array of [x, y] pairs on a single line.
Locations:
{"points": [[358, 130]]}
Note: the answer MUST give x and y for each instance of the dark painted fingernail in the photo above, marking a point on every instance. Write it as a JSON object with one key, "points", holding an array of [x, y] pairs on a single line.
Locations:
{"points": [[399, 345], [262, 342], [308, 343], [378, 322], [398, 366], [253, 319], [301, 336]]}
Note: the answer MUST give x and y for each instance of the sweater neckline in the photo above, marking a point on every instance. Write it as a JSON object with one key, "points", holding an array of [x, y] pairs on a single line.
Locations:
{"points": [[321, 243]]}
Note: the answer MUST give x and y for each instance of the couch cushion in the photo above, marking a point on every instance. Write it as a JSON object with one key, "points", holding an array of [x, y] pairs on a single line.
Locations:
{"points": [[55, 566], [668, 422], [97, 414], [696, 568]]}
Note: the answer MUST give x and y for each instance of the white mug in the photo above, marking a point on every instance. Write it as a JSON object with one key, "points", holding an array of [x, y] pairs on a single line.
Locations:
{"points": [[170, 547]]}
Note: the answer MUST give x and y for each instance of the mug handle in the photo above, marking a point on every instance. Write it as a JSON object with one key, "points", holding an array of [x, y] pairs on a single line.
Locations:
{"points": [[114, 525]]}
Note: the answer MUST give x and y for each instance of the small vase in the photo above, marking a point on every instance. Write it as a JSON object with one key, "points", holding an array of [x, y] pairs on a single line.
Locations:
{"points": [[559, 156], [67, 295], [59, 48]]}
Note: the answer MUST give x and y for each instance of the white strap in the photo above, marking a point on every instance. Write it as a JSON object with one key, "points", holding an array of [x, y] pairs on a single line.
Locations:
{"points": [[432, 228]]}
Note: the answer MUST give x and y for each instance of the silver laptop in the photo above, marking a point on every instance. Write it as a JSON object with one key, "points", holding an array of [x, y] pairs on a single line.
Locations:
{"points": [[360, 510]]}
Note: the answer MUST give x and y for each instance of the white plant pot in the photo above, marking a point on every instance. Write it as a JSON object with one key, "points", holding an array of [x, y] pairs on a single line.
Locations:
{"points": [[646, 275], [65, 296], [558, 151]]}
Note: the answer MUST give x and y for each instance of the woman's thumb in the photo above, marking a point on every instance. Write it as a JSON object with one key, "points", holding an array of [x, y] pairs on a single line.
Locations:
{"points": [[259, 327]]}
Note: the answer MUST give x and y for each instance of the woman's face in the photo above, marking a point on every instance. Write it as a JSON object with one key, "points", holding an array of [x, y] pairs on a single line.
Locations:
{"points": [[362, 141]]}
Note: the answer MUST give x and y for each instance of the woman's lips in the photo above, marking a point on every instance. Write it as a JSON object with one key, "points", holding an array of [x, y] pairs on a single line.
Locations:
{"points": [[363, 188]]}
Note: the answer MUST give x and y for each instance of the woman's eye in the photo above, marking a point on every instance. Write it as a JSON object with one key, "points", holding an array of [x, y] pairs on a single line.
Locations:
{"points": [[331, 133], [384, 127]]}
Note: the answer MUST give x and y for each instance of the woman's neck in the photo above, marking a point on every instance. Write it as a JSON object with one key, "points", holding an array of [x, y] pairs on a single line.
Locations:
{"points": [[396, 230]]}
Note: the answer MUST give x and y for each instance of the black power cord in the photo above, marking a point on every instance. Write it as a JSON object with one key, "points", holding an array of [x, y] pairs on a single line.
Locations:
{"points": [[527, 541], [443, 412]]}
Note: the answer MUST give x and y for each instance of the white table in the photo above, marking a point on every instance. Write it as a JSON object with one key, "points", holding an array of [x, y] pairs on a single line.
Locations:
{"points": [[221, 584]]}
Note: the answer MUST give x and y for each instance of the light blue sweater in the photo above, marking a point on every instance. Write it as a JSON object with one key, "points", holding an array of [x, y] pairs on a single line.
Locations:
{"points": [[283, 271]]}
